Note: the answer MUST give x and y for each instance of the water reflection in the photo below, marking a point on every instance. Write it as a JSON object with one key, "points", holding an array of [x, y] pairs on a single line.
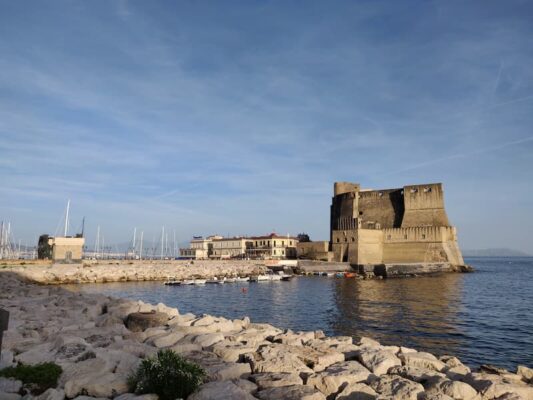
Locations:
{"points": [[421, 313], [483, 317]]}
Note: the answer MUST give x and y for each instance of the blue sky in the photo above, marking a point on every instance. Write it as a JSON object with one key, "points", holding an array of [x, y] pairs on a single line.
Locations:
{"points": [[237, 117]]}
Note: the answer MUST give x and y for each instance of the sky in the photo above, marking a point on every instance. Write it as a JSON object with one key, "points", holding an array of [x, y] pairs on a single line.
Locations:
{"points": [[236, 117]]}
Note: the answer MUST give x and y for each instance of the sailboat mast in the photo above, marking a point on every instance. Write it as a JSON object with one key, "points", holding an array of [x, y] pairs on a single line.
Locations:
{"points": [[66, 217], [162, 240], [141, 246]]}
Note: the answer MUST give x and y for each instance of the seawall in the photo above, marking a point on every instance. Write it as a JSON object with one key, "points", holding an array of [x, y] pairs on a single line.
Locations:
{"points": [[88, 335]]}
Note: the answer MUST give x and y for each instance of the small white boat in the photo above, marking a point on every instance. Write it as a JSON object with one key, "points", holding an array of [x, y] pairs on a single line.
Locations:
{"points": [[242, 279], [199, 281], [231, 280], [188, 282], [274, 277]]}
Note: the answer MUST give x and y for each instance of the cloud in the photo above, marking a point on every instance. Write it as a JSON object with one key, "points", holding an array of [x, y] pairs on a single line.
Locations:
{"points": [[240, 118]]}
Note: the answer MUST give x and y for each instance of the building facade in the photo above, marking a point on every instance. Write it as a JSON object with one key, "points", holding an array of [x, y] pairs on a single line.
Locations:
{"points": [[226, 248], [273, 246], [61, 249], [200, 248], [404, 225]]}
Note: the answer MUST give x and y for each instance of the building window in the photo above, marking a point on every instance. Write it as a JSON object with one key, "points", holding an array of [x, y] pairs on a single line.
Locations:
{"points": [[283, 242], [274, 243], [423, 236], [353, 239], [338, 240], [345, 239], [360, 213]]}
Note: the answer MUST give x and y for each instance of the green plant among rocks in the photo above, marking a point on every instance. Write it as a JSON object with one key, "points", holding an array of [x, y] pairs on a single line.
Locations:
{"points": [[168, 375], [36, 378]]}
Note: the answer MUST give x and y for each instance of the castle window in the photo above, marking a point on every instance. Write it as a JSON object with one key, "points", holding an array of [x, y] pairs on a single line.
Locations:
{"points": [[353, 239], [414, 190], [427, 190], [360, 213], [338, 240], [380, 194], [423, 236], [345, 239]]}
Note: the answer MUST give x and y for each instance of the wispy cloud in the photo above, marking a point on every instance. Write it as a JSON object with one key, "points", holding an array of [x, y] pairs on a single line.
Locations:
{"points": [[238, 118]]}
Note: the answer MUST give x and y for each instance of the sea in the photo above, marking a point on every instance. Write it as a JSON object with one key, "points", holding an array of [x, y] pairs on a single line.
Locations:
{"points": [[483, 317]]}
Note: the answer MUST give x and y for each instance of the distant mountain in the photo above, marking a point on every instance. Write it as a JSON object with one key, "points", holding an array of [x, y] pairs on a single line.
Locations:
{"points": [[503, 252]]}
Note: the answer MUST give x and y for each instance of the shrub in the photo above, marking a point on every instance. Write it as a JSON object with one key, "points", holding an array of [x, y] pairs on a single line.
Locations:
{"points": [[168, 375], [37, 378]]}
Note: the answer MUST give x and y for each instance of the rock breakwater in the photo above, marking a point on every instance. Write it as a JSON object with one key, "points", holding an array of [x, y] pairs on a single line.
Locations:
{"points": [[88, 336], [133, 271]]}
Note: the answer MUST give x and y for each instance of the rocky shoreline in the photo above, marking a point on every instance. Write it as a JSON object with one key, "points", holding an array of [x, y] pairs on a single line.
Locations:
{"points": [[98, 342]]}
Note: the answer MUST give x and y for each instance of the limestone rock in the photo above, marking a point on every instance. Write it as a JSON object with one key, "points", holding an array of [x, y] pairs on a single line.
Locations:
{"points": [[208, 339], [295, 392], [132, 396], [6, 359], [166, 340], [51, 394], [338, 375], [231, 351], [455, 389], [275, 379], [10, 396], [397, 387], [416, 374], [492, 386], [245, 385], [274, 359], [97, 384], [219, 370], [138, 321], [525, 372], [9, 385], [379, 361], [422, 360], [357, 391], [221, 391]]}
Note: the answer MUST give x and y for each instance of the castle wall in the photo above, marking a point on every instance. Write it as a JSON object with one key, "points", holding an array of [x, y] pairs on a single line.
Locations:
{"points": [[314, 251], [369, 247], [384, 207], [421, 244], [424, 206], [406, 225]]}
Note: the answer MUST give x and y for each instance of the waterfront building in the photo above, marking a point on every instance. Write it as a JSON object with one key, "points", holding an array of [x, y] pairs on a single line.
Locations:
{"points": [[61, 249], [200, 248], [273, 246], [233, 247]]}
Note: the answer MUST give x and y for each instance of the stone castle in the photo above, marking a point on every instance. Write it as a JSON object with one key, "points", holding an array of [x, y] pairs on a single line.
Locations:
{"points": [[408, 225]]}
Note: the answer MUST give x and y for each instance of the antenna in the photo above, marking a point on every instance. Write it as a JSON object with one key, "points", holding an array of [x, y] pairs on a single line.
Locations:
{"points": [[82, 226], [66, 218]]}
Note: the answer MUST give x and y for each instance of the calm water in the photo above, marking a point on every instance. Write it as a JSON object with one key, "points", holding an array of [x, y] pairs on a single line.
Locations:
{"points": [[484, 317]]}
